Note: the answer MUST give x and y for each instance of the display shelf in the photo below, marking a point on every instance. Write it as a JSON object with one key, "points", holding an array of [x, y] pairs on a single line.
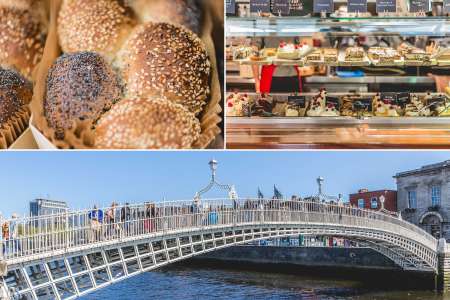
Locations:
{"points": [[308, 26], [284, 133]]}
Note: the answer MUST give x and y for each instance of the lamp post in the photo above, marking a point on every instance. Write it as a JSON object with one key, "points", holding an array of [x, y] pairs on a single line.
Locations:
{"points": [[382, 198]]}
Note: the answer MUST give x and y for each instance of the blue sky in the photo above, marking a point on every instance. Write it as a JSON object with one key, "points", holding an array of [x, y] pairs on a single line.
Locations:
{"points": [[85, 178]]}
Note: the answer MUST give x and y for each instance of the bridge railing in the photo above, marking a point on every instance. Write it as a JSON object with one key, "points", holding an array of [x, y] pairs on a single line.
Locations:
{"points": [[36, 235]]}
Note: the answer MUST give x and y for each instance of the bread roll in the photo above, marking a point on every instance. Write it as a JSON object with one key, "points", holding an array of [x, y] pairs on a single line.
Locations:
{"points": [[182, 12], [147, 124], [93, 25], [15, 93], [166, 60], [22, 39], [80, 86]]}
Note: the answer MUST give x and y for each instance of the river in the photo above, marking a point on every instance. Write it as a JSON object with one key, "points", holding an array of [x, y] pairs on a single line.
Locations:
{"points": [[194, 280]]}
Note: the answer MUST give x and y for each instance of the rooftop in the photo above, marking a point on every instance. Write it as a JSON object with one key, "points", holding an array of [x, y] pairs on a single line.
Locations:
{"points": [[425, 168]]}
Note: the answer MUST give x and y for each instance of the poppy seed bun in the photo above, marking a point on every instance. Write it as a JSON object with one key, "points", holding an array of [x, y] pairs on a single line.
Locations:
{"points": [[80, 86], [93, 25], [147, 124], [22, 39], [15, 92], [168, 61], [181, 12]]}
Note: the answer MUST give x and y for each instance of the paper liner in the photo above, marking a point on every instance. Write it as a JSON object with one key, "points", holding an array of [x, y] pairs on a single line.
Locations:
{"points": [[81, 136], [12, 130]]}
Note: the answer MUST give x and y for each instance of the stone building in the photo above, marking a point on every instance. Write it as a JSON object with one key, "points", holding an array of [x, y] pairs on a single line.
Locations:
{"points": [[423, 197]]}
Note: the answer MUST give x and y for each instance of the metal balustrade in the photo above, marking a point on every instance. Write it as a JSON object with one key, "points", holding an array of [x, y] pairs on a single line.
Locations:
{"points": [[108, 244]]}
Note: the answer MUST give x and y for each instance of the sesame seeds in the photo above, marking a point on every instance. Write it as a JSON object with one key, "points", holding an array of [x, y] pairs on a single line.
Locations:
{"points": [[21, 40], [147, 123], [168, 60], [15, 92], [93, 25], [80, 86]]}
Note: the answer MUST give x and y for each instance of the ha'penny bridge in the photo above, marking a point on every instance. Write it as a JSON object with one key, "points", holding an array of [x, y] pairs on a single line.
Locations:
{"points": [[68, 255]]}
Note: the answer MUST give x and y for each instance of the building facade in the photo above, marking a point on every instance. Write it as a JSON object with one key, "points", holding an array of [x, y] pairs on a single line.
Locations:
{"points": [[424, 197], [43, 207], [371, 199]]}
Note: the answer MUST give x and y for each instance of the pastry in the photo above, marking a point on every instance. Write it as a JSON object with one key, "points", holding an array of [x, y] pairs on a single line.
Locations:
{"points": [[270, 52], [330, 55], [93, 25], [291, 51], [150, 123], [169, 61], [80, 86], [292, 110], [181, 12], [354, 54], [330, 111], [15, 93], [241, 52], [316, 55], [257, 56], [236, 104], [22, 38]]}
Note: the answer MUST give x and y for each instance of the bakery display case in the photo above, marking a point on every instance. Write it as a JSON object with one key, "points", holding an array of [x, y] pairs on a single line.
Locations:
{"points": [[301, 77]]}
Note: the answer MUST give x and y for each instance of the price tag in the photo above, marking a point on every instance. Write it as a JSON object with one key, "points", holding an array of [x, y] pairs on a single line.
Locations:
{"points": [[446, 6], [402, 99], [354, 6], [419, 5], [230, 7], [281, 6], [389, 97], [298, 100], [300, 7], [259, 6], [323, 6], [363, 104], [386, 6], [334, 101]]}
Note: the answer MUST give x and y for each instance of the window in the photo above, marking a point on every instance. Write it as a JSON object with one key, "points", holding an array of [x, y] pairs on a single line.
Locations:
{"points": [[412, 199], [361, 203], [374, 203], [435, 195]]}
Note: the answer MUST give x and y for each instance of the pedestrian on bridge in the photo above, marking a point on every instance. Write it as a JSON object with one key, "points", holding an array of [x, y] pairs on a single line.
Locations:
{"points": [[96, 220]]}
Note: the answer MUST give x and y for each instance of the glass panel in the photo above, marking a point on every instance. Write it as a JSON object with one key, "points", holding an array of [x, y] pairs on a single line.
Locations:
{"points": [[147, 261], [374, 203], [143, 248], [171, 243], [45, 293], [37, 274], [95, 259], [361, 203], [184, 240], [435, 195], [157, 245], [160, 257], [128, 252], [15, 280], [101, 276], [84, 282], [412, 199], [117, 271], [77, 264], [132, 266], [65, 289], [58, 269], [112, 255]]}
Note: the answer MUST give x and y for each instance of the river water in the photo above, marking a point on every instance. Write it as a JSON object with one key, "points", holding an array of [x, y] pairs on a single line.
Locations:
{"points": [[205, 281]]}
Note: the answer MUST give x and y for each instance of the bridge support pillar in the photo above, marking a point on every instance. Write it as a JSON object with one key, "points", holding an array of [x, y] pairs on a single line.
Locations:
{"points": [[443, 276]]}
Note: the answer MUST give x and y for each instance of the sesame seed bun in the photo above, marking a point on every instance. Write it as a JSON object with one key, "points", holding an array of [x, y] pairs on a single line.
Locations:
{"points": [[147, 124], [80, 86], [93, 25], [168, 61], [180, 12], [22, 39], [15, 92]]}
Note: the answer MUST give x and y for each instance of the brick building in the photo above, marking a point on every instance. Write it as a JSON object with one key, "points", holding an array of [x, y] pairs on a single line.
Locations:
{"points": [[371, 199]]}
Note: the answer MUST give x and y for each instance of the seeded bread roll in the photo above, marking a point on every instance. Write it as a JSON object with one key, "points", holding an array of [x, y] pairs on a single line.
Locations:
{"points": [[93, 25], [15, 93], [181, 12], [80, 86], [147, 124], [168, 61], [22, 39]]}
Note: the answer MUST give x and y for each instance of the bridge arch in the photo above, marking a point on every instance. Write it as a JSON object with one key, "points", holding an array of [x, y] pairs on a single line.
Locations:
{"points": [[78, 260]]}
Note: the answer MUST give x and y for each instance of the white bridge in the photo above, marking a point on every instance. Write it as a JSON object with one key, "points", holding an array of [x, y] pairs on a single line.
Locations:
{"points": [[68, 255]]}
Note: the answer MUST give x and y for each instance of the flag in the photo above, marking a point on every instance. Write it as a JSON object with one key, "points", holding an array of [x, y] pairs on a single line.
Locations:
{"points": [[276, 193], [260, 194]]}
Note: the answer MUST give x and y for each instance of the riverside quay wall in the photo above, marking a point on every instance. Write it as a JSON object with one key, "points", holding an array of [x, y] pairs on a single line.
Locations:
{"points": [[361, 258]]}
